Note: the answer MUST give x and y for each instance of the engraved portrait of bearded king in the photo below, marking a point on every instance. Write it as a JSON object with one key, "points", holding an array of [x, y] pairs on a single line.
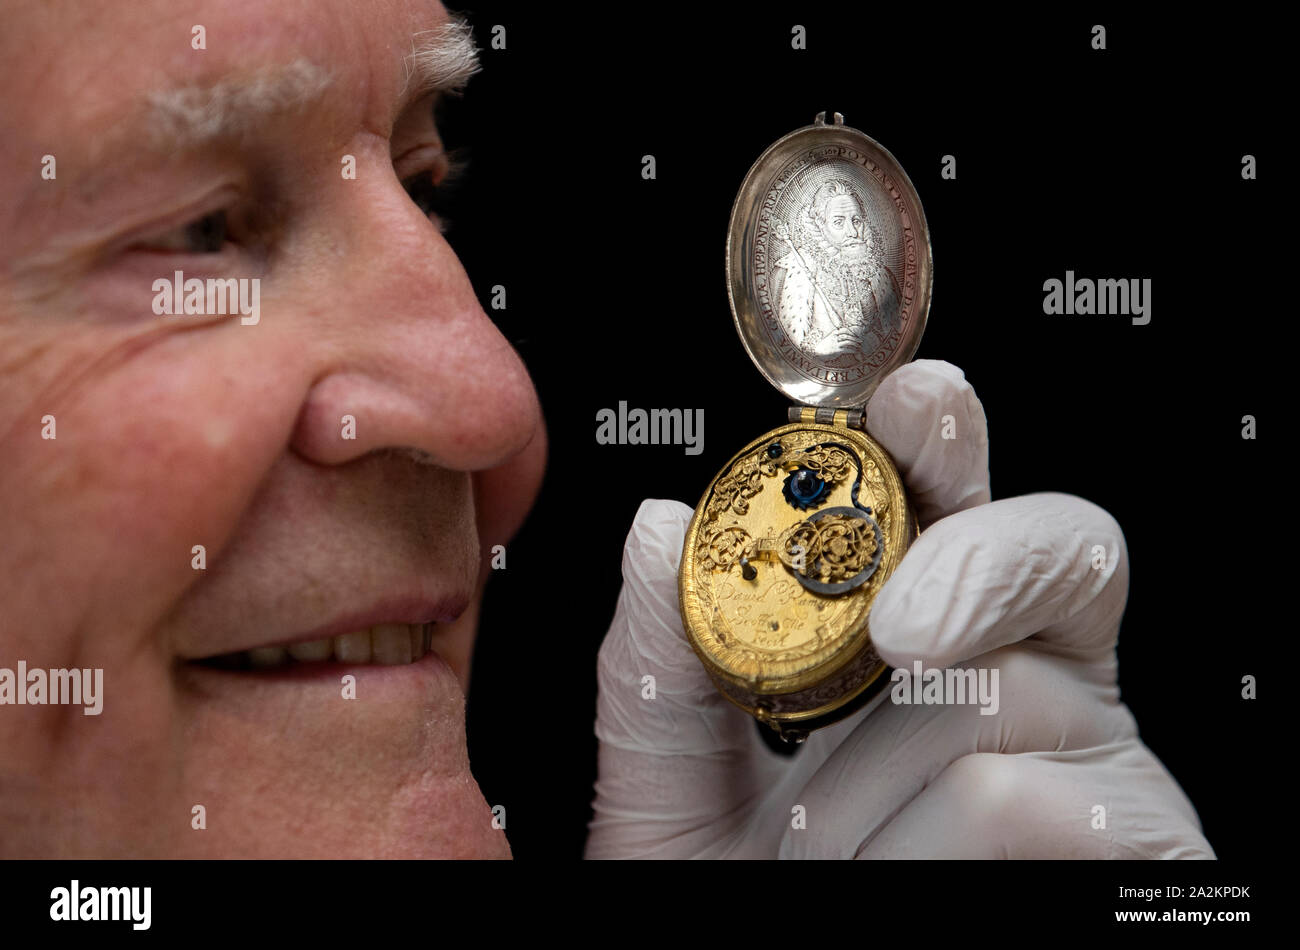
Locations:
{"points": [[838, 296]]}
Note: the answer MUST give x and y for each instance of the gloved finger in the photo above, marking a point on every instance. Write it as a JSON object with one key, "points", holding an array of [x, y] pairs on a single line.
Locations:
{"points": [[1048, 565], [928, 418], [676, 758], [1115, 801], [1037, 701]]}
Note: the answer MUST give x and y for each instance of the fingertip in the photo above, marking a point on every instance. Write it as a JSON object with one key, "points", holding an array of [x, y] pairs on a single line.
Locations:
{"points": [[897, 641], [656, 537], [928, 418], [916, 387], [1049, 564]]}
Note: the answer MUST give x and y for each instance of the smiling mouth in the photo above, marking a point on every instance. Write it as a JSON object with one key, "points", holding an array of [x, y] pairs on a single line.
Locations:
{"points": [[383, 644]]}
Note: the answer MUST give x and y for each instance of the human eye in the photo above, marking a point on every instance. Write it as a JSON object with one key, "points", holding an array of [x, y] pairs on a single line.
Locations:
{"points": [[431, 187], [221, 227], [203, 234]]}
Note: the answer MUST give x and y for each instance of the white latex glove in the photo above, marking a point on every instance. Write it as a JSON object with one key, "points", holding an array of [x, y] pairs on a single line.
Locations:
{"points": [[1007, 585]]}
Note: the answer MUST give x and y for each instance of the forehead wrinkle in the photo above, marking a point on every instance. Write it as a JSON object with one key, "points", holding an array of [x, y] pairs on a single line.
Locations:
{"points": [[441, 60], [191, 115]]}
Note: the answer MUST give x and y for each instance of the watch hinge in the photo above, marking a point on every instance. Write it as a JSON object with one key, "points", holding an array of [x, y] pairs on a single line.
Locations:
{"points": [[845, 418]]}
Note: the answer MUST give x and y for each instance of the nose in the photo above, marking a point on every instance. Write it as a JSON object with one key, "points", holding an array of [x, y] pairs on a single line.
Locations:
{"points": [[410, 360]]}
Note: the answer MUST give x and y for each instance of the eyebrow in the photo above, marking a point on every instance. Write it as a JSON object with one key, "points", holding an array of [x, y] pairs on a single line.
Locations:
{"points": [[191, 115], [441, 60]]}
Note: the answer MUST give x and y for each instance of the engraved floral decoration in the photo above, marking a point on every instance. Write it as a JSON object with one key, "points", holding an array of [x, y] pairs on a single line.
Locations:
{"points": [[831, 462], [744, 481], [830, 550], [719, 547], [876, 497]]}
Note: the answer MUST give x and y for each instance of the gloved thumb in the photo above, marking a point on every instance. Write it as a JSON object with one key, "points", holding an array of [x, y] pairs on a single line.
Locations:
{"points": [[653, 692]]}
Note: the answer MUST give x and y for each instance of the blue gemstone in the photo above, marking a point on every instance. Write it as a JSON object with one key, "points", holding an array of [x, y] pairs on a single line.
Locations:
{"points": [[774, 450]]}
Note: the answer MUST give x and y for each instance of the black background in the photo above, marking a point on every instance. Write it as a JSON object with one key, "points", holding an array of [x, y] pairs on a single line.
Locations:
{"points": [[1122, 163]]}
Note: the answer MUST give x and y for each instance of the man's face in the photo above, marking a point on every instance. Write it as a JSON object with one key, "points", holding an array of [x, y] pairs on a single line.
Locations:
{"points": [[843, 224], [173, 432]]}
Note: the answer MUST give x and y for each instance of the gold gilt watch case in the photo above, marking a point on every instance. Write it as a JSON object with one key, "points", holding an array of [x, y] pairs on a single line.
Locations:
{"points": [[829, 273]]}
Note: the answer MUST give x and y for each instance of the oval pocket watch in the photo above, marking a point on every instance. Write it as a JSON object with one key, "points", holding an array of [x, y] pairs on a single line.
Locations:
{"points": [[828, 271]]}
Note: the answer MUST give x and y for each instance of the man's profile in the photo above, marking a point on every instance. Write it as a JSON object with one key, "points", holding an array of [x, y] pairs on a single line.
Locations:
{"points": [[271, 534]]}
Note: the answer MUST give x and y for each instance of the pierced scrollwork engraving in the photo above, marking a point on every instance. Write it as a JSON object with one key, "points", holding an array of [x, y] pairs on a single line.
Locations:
{"points": [[742, 483], [721, 547], [832, 552], [833, 463]]}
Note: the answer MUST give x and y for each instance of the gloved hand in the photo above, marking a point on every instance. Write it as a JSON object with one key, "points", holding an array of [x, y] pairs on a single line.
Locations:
{"points": [[1012, 585]]}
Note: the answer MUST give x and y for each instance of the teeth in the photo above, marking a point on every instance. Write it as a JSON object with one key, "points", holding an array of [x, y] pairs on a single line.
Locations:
{"points": [[312, 650], [391, 643], [353, 647], [385, 644], [262, 657]]}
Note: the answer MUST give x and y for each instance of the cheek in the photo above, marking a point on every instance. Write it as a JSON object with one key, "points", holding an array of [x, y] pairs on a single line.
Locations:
{"points": [[159, 446]]}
